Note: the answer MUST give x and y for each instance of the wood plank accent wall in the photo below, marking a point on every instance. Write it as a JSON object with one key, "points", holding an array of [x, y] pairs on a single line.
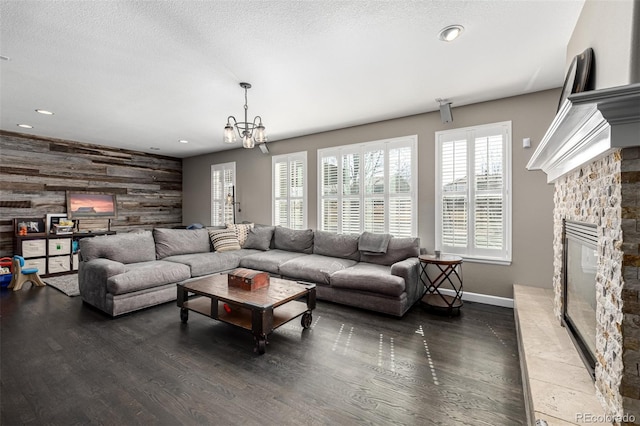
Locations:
{"points": [[36, 172]]}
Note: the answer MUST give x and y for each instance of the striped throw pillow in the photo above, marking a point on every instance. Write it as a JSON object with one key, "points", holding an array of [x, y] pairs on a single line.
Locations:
{"points": [[224, 240], [241, 230]]}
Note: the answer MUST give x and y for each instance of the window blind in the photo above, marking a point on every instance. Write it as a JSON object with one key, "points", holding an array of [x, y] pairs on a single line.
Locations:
{"points": [[473, 180], [369, 187]]}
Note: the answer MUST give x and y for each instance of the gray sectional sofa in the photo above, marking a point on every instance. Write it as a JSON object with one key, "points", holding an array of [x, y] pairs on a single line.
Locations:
{"points": [[129, 271]]}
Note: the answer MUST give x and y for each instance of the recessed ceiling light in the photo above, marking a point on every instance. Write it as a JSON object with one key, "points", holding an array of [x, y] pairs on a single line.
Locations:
{"points": [[44, 111], [154, 148], [450, 33], [25, 126], [183, 141], [4, 58]]}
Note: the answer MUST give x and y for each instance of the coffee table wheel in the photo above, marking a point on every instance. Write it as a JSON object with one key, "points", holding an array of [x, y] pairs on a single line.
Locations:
{"points": [[184, 315], [261, 345], [306, 320]]}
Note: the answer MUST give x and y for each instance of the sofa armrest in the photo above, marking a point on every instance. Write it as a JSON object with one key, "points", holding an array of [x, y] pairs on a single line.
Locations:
{"points": [[409, 269], [92, 280]]}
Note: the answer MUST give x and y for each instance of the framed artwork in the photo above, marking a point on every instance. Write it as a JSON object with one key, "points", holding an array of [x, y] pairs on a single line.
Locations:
{"points": [[578, 78], [29, 226], [91, 205]]}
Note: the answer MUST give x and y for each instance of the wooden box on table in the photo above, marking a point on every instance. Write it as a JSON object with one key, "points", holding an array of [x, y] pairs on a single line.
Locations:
{"points": [[248, 279]]}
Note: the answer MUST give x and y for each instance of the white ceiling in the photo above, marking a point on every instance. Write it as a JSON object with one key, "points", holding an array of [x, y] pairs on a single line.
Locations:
{"points": [[142, 74]]}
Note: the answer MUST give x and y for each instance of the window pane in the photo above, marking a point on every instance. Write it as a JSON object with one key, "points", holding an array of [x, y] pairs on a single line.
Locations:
{"points": [[400, 170], [217, 213], [351, 174], [297, 178], [280, 180], [488, 222], [329, 176], [280, 216], [454, 166], [222, 181], [488, 163], [454, 221], [330, 215], [296, 213], [374, 215], [217, 188], [351, 216], [374, 172], [400, 217]]}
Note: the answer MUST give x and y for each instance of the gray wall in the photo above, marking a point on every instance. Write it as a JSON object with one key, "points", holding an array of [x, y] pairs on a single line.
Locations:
{"points": [[612, 30], [532, 201]]}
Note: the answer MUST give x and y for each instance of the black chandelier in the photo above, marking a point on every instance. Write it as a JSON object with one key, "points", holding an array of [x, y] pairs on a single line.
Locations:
{"points": [[250, 132]]}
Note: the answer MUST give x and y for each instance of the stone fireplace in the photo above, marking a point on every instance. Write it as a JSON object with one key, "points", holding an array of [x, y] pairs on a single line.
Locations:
{"points": [[591, 153]]}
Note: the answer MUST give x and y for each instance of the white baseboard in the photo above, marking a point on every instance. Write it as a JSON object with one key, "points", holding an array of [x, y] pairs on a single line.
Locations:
{"points": [[505, 302]]}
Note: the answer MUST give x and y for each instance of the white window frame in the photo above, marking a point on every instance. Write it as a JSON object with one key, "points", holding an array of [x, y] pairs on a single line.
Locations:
{"points": [[410, 141], [288, 158], [229, 187], [470, 253]]}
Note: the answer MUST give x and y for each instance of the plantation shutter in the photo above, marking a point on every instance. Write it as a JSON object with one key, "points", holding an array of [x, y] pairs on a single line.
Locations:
{"points": [[222, 184], [369, 187], [289, 187], [329, 193], [400, 203], [453, 188], [280, 194], [473, 179], [489, 197]]}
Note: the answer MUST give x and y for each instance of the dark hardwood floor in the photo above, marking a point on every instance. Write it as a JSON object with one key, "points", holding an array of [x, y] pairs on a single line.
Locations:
{"points": [[64, 363]]}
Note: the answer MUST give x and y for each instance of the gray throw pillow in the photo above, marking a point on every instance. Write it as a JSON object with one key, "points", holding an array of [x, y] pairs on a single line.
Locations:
{"points": [[130, 247], [171, 242], [259, 238], [336, 245], [300, 241]]}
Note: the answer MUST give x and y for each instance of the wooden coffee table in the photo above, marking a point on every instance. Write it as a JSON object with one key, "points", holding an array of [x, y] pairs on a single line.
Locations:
{"points": [[260, 311]]}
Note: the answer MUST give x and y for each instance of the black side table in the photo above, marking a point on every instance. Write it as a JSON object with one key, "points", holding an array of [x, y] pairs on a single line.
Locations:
{"points": [[446, 271]]}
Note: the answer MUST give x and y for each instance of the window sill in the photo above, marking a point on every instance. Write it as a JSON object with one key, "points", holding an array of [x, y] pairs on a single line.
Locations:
{"points": [[501, 262]]}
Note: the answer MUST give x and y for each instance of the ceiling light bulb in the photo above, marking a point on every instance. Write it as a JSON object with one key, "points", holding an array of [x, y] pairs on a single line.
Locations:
{"points": [[25, 126], [44, 111], [261, 135], [247, 141], [450, 33], [229, 134]]}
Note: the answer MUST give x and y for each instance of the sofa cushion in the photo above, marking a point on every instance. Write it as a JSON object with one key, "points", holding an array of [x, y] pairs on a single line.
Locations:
{"points": [[241, 230], [259, 238], [314, 267], [370, 278], [212, 262], [336, 245], [139, 245], [268, 261], [224, 240], [293, 239], [397, 250], [171, 242], [143, 275]]}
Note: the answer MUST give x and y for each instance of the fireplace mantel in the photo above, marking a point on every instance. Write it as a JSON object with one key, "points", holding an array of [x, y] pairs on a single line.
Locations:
{"points": [[588, 126]]}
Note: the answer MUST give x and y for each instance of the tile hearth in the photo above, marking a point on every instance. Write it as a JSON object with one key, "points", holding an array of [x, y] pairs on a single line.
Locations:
{"points": [[556, 382]]}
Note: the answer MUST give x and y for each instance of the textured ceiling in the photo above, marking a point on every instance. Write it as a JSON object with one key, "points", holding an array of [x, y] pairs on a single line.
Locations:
{"points": [[142, 74]]}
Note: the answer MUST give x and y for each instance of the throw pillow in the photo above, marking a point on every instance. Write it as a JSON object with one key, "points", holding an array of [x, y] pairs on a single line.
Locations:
{"points": [[259, 238], [298, 240], [224, 240], [241, 230]]}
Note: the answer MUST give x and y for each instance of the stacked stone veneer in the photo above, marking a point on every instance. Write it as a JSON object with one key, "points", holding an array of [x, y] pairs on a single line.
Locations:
{"points": [[606, 193]]}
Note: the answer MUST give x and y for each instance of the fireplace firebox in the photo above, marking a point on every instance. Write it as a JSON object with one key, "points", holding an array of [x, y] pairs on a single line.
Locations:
{"points": [[580, 261]]}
